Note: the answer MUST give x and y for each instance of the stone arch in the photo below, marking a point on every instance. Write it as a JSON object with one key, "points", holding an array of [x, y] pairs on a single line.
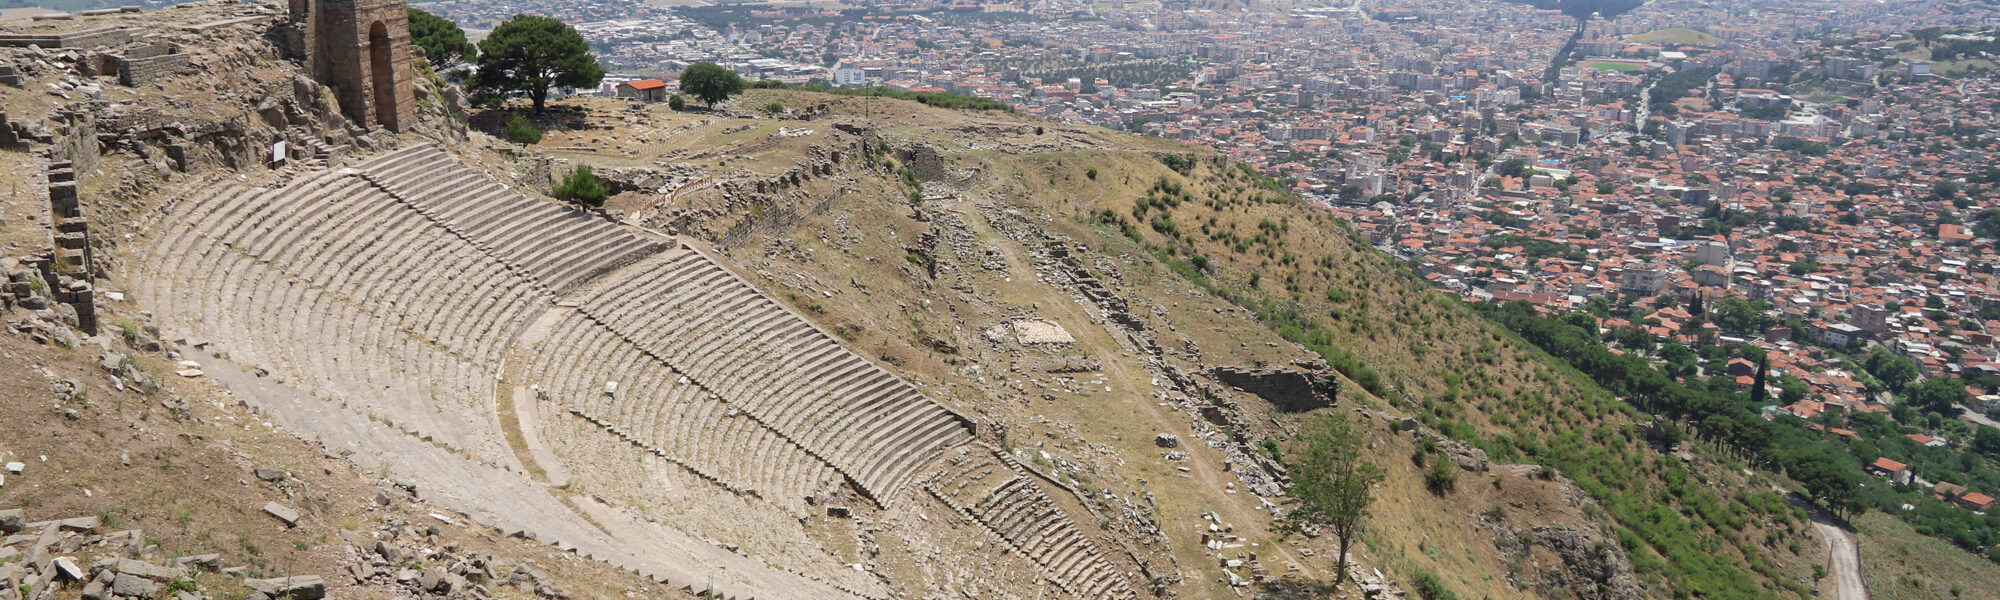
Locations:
{"points": [[361, 49], [381, 67]]}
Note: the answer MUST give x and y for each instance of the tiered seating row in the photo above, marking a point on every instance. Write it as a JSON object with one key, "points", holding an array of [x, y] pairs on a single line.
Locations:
{"points": [[1013, 506], [670, 494], [560, 246], [594, 373], [724, 335], [335, 284]]}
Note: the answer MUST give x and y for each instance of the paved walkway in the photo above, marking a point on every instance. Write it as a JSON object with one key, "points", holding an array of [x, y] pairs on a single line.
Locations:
{"points": [[1846, 560]]}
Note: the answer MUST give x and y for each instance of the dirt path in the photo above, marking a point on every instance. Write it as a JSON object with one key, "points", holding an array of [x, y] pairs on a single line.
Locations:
{"points": [[1846, 559]]}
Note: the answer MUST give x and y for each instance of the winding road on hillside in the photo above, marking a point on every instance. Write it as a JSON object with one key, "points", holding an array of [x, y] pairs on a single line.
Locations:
{"points": [[1846, 559]]}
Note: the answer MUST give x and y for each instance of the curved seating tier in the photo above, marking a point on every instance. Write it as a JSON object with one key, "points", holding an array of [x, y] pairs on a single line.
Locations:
{"points": [[605, 466], [713, 328], [989, 490], [569, 246], [351, 295], [402, 290], [591, 373]]}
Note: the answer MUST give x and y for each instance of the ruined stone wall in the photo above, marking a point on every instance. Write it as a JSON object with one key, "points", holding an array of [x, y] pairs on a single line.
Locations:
{"points": [[12, 135], [1289, 390], [73, 137], [358, 47], [68, 273], [148, 51], [137, 71]]}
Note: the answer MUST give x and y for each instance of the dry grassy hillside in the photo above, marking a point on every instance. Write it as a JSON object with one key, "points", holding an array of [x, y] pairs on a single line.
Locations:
{"points": [[918, 233]]}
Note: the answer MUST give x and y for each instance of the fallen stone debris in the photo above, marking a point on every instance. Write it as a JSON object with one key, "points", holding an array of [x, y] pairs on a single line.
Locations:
{"points": [[47, 559]]}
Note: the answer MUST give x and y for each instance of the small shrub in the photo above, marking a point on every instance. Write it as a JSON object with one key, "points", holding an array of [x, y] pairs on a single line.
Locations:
{"points": [[1442, 477], [1429, 587], [774, 108], [583, 187], [520, 131], [677, 102], [486, 100], [1091, 173]]}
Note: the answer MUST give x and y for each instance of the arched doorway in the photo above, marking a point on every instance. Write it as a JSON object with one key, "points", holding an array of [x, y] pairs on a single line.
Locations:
{"points": [[382, 68]]}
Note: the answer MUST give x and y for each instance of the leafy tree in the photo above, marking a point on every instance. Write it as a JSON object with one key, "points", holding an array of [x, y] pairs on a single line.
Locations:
{"points": [[1757, 392], [710, 83], [1892, 370], [530, 55], [443, 42], [1827, 478], [1987, 223], [584, 187], [1792, 389], [1739, 316], [1986, 440], [1940, 395], [1333, 484]]}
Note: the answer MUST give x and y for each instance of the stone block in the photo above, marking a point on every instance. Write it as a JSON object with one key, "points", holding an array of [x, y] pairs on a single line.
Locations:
{"points": [[127, 585], [302, 587], [284, 513], [140, 568], [68, 569]]}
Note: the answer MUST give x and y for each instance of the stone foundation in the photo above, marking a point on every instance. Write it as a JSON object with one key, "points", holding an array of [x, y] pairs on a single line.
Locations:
{"points": [[88, 38]]}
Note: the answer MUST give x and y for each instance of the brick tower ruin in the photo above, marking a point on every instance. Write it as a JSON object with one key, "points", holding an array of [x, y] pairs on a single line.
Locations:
{"points": [[360, 48]]}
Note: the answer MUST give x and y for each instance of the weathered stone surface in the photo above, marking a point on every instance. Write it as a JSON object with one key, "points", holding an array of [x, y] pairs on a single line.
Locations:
{"points": [[1466, 456], [389, 552], [1167, 440], [436, 581], [302, 587], [133, 586], [284, 513], [96, 590], [79, 524], [67, 567], [11, 520], [205, 562], [145, 569], [271, 474]]}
